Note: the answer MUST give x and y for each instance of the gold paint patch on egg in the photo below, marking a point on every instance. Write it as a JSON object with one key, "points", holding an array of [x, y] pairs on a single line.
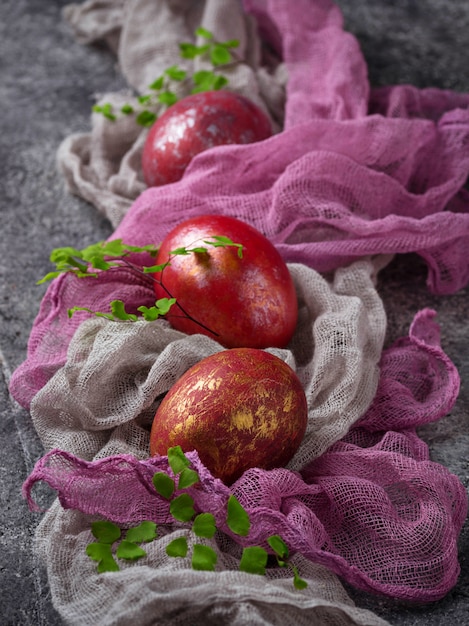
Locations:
{"points": [[177, 429], [262, 392], [179, 405], [214, 383], [198, 385], [190, 421], [288, 402], [268, 421], [242, 420]]}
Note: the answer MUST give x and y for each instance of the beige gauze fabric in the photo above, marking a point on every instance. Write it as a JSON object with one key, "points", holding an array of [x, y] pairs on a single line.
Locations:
{"points": [[101, 403], [103, 166], [163, 591]]}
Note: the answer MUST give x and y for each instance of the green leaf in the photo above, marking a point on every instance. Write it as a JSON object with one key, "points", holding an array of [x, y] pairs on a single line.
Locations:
{"points": [[99, 263], [101, 552], [202, 76], [78, 264], [127, 109], [231, 43], [175, 73], [143, 533], [279, 547], [298, 582], [163, 484], [219, 82], [102, 249], [106, 110], [143, 99], [198, 89], [182, 507], [253, 560], [107, 565], [204, 525], [74, 263], [150, 248], [204, 558], [155, 269], [177, 459], [220, 241], [105, 532], [145, 118], [198, 250], [71, 260], [149, 314], [164, 305], [187, 50], [98, 551], [237, 517], [49, 276], [179, 251], [114, 247], [219, 55], [68, 258], [203, 79], [206, 80], [94, 253], [190, 51], [168, 98], [129, 551], [119, 312], [203, 32], [177, 547], [157, 84], [187, 478], [63, 255], [75, 309]]}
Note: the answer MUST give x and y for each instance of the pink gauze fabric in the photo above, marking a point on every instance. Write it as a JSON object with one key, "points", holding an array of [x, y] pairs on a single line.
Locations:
{"points": [[353, 173], [373, 509]]}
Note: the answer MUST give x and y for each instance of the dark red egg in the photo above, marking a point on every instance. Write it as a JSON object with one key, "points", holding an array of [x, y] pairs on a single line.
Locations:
{"points": [[194, 124]]}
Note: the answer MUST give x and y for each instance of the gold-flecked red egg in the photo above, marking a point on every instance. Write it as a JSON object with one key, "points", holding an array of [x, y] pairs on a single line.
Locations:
{"points": [[239, 408]]}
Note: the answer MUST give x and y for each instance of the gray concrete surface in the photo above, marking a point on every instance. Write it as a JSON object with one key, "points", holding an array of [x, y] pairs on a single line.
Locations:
{"points": [[46, 90]]}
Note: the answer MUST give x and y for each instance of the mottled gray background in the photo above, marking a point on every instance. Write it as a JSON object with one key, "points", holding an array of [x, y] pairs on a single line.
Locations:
{"points": [[46, 90]]}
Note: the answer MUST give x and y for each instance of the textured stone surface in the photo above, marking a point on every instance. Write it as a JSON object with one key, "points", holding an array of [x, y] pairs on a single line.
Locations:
{"points": [[46, 91]]}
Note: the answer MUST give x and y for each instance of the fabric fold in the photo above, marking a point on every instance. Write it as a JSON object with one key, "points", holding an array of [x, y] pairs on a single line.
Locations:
{"points": [[365, 508]]}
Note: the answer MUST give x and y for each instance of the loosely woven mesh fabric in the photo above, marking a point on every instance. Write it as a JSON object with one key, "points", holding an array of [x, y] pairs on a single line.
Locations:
{"points": [[373, 508], [167, 591], [350, 177], [116, 373], [99, 406]]}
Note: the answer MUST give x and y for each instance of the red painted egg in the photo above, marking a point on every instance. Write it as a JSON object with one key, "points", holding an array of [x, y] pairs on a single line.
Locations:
{"points": [[247, 301], [239, 408], [194, 124]]}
